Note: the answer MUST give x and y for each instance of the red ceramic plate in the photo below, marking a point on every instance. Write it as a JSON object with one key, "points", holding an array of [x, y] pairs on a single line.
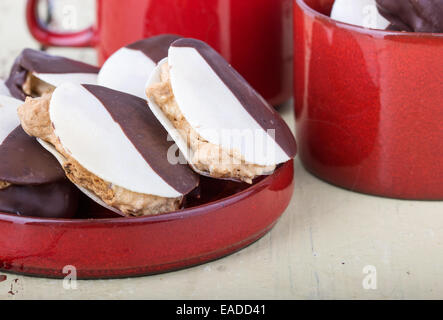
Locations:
{"points": [[235, 216]]}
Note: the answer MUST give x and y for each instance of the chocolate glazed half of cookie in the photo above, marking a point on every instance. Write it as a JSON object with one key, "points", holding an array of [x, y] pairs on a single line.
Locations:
{"points": [[35, 72], [413, 15], [155, 48], [33, 183]]}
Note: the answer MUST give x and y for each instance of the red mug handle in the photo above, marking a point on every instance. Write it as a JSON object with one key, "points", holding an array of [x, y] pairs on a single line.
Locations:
{"points": [[84, 38]]}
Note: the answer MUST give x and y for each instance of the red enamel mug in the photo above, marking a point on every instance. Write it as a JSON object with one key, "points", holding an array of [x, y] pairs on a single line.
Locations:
{"points": [[369, 105], [255, 36]]}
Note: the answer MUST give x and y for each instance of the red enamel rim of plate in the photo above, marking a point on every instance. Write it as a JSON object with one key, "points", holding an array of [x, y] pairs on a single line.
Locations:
{"points": [[123, 247]]}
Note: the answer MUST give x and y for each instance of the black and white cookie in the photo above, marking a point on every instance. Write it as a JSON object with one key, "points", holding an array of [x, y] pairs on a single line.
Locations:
{"points": [[112, 147], [222, 125]]}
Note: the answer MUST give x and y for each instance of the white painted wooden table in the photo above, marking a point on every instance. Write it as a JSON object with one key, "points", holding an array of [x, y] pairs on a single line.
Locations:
{"points": [[318, 250]]}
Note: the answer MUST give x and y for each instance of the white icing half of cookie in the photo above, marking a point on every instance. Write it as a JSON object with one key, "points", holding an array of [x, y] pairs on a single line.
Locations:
{"points": [[165, 122], [88, 132], [56, 79], [215, 113], [4, 91], [127, 70], [8, 116], [361, 13], [62, 160]]}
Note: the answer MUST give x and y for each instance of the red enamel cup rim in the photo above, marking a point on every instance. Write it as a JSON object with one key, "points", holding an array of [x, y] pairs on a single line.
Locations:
{"points": [[194, 211], [371, 32]]}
